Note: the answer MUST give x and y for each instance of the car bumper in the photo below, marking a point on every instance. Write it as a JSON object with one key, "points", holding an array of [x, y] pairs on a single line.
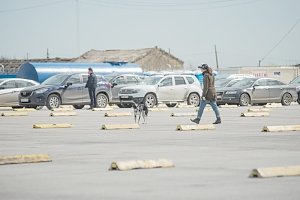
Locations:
{"points": [[130, 98], [33, 100], [228, 99]]}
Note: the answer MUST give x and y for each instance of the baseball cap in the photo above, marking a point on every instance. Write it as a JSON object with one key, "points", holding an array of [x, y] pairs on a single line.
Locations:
{"points": [[203, 66]]}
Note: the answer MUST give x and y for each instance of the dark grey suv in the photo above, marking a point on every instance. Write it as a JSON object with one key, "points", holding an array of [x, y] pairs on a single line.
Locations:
{"points": [[65, 89]]}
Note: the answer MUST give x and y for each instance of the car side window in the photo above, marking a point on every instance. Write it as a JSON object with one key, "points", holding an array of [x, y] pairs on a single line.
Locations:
{"points": [[274, 82], [9, 85], [74, 79], [131, 79], [190, 80], [22, 84], [166, 82], [262, 82], [179, 80], [84, 78], [119, 80]]}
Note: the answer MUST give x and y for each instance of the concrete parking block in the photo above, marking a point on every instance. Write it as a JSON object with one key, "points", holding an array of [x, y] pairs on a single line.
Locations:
{"points": [[141, 164], [255, 114], [183, 114], [158, 109], [119, 126], [52, 125], [275, 172], [281, 128], [114, 114], [259, 110], [19, 159], [184, 106], [13, 113], [273, 105], [62, 113], [24, 109], [195, 127], [103, 109], [6, 108], [62, 109], [228, 106]]}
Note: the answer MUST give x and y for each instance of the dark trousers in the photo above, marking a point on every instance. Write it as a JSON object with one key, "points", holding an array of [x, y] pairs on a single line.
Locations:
{"points": [[92, 97]]}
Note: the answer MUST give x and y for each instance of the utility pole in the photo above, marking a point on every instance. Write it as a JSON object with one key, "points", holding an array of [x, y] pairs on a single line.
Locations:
{"points": [[47, 54], [217, 63]]}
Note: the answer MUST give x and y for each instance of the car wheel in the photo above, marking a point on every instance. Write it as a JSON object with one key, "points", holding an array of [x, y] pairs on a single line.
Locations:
{"points": [[193, 99], [150, 100], [171, 105], [120, 105], [102, 100], [298, 100], [78, 106], [244, 99], [53, 101], [286, 99]]}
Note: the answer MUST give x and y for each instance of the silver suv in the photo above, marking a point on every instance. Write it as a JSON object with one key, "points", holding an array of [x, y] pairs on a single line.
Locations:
{"points": [[169, 89]]}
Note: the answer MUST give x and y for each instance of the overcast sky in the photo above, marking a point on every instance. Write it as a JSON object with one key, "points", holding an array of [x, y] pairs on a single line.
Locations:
{"points": [[244, 31]]}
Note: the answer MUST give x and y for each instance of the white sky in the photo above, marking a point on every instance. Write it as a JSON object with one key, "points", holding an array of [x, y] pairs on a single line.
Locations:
{"points": [[244, 31]]}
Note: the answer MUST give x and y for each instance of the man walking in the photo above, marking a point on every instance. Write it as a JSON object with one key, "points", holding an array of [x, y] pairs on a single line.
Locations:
{"points": [[91, 84]]}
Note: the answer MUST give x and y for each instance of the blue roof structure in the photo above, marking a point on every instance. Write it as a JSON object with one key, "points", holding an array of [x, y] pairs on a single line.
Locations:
{"points": [[41, 71]]}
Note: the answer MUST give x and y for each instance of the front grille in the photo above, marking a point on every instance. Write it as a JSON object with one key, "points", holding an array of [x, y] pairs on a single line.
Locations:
{"points": [[25, 93], [126, 91]]}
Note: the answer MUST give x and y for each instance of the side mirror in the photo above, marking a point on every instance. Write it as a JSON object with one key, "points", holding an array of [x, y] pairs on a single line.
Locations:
{"points": [[68, 84], [255, 85], [113, 85]]}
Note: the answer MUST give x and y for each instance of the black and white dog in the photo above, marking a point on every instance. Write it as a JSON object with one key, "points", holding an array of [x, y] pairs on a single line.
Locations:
{"points": [[140, 110]]}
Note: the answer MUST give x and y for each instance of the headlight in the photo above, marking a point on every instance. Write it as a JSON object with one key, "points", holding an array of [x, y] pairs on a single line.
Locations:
{"points": [[231, 92], [42, 90]]}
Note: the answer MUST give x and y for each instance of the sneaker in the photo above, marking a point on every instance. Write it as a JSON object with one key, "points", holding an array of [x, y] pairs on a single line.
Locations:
{"points": [[196, 120]]}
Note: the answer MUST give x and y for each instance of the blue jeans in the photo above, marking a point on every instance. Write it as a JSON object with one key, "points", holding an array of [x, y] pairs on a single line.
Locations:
{"points": [[213, 105]]}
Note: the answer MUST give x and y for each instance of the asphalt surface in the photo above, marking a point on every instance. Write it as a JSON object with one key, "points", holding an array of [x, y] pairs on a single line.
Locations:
{"points": [[211, 164]]}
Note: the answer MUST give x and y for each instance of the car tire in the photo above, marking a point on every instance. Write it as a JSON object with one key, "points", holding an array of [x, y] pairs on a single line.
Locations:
{"points": [[53, 101], [101, 100], [78, 106], [150, 100], [298, 100], [286, 99], [193, 99], [171, 105], [245, 100], [120, 105]]}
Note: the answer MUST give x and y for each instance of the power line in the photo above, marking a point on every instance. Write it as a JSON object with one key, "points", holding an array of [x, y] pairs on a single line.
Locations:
{"points": [[32, 7], [278, 43]]}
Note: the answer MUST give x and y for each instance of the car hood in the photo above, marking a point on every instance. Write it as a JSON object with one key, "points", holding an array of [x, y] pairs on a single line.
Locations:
{"points": [[138, 87], [37, 87], [222, 89]]}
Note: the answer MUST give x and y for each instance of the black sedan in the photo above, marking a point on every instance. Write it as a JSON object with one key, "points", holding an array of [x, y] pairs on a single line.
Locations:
{"points": [[65, 89], [257, 91]]}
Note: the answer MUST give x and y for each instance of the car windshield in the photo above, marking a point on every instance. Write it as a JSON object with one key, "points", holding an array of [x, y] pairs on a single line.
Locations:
{"points": [[152, 80], [56, 79], [247, 82], [222, 82], [296, 80]]}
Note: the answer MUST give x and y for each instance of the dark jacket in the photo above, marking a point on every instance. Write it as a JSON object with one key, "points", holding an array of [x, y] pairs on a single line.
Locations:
{"points": [[91, 82], [209, 90]]}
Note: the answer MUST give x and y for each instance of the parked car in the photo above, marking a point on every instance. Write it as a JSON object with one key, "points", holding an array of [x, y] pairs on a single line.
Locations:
{"points": [[10, 88], [65, 89], [169, 89], [296, 82], [121, 81], [226, 82], [257, 91]]}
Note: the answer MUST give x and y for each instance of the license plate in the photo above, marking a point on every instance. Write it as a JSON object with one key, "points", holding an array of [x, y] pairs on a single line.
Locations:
{"points": [[219, 97], [24, 100], [125, 97]]}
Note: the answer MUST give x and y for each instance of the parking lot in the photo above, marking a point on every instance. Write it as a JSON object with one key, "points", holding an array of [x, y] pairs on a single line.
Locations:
{"points": [[209, 164]]}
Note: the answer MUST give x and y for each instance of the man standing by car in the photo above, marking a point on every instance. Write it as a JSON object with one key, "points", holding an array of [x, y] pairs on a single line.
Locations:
{"points": [[91, 84]]}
